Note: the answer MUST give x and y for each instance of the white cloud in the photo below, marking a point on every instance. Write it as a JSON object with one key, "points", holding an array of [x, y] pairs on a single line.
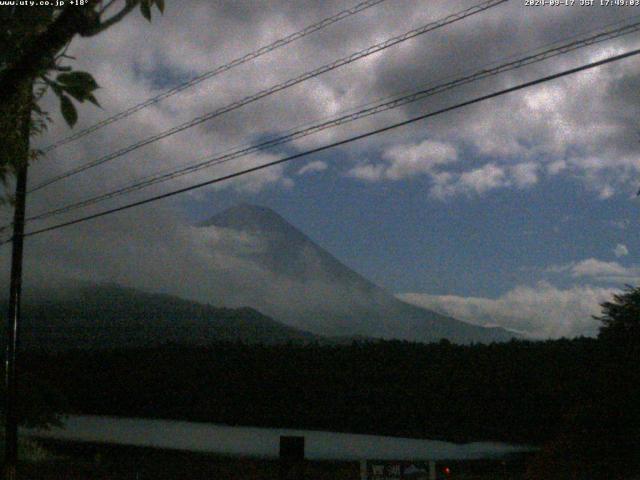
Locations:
{"points": [[543, 311], [485, 178], [555, 167], [605, 191], [367, 172], [430, 158], [606, 271], [525, 174], [472, 182], [407, 160], [599, 271], [414, 159], [313, 167], [621, 250]]}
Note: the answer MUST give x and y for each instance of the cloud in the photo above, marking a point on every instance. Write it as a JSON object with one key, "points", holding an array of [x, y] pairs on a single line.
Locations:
{"points": [[407, 160], [525, 174], [431, 157], [599, 270], [255, 182], [368, 172], [542, 311], [150, 249], [555, 167], [557, 125], [210, 264], [567, 127], [605, 271], [621, 250], [481, 180], [313, 167]]}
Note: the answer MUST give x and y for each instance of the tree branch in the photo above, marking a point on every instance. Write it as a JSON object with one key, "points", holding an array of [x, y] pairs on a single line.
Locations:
{"points": [[43, 48], [107, 6], [38, 55]]}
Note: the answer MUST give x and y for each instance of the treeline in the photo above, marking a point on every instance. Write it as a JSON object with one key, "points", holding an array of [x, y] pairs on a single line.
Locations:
{"points": [[519, 391]]}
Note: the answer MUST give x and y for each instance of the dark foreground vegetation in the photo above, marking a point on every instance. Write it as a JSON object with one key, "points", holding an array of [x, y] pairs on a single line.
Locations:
{"points": [[77, 461], [576, 399], [517, 391], [93, 461]]}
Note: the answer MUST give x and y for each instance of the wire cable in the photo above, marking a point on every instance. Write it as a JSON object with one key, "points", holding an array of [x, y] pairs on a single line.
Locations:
{"points": [[337, 144], [378, 108], [277, 88], [218, 70]]}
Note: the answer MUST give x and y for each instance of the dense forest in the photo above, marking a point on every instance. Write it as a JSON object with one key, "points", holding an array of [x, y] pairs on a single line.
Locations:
{"points": [[575, 398], [515, 391]]}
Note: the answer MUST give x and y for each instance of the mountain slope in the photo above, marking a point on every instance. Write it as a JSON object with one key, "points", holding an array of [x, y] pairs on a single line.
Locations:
{"points": [[314, 291], [106, 316]]}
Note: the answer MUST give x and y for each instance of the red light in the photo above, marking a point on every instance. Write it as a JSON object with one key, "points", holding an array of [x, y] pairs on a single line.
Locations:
{"points": [[447, 471]]}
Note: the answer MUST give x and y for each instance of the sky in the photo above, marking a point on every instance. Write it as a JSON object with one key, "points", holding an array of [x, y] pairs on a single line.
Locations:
{"points": [[519, 211]]}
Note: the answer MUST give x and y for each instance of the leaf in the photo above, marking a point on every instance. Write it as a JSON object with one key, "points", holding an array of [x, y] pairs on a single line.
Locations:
{"points": [[76, 92], [68, 111], [35, 153], [145, 9], [160, 5], [56, 89], [93, 100], [83, 80]]}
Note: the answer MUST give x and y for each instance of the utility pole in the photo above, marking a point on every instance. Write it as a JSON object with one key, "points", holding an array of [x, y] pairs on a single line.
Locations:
{"points": [[13, 317]]}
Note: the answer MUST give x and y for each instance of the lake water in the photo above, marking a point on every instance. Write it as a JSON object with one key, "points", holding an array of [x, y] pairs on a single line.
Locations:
{"points": [[263, 442]]}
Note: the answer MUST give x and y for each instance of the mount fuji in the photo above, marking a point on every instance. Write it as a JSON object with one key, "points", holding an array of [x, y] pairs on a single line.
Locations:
{"points": [[313, 291]]}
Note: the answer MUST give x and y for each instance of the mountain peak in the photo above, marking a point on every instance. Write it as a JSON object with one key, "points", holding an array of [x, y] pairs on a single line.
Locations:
{"points": [[249, 209], [246, 216], [312, 290]]}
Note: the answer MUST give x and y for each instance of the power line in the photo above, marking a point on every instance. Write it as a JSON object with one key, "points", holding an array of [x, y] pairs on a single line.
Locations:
{"points": [[279, 87], [218, 70], [380, 107], [336, 144], [276, 88]]}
